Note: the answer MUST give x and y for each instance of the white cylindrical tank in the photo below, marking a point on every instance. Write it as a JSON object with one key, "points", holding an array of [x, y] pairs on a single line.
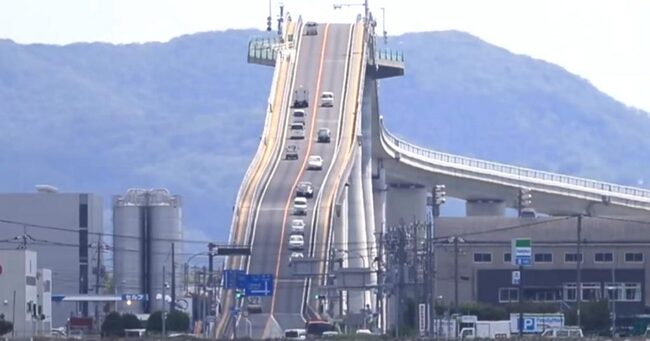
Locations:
{"points": [[164, 227], [128, 256]]}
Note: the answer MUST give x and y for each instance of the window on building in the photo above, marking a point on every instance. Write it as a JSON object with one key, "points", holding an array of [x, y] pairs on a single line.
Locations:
{"points": [[572, 257], [590, 291], [634, 257], [544, 296], [507, 295], [570, 292], [614, 291], [632, 292], [507, 257], [482, 257], [543, 258], [603, 257]]}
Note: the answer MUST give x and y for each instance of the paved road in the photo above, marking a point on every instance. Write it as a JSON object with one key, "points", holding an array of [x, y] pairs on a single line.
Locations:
{"points": [[321, 67]]}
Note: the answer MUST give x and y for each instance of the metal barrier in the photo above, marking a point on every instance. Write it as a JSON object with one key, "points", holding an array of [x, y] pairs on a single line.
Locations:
{"points": [[512, 170], [389, 55], [262, 49]]}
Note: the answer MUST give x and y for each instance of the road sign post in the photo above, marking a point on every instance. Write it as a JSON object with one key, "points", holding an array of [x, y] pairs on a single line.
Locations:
{"points": [[522, 254]]}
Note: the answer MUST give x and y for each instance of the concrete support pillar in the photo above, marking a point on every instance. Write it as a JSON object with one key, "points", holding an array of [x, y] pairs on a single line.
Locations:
{"points": [[357, 242], [379, 201], [366, 175], [341, 241], [485, 207], [406, 203]]}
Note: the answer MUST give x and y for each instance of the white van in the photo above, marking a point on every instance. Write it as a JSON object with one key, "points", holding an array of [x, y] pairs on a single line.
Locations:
{"points": [[560, 333], [295, 334]]}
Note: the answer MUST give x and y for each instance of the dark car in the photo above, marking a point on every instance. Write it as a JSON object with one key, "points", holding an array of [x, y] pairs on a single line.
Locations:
{"points": [[324, 135], [305, 189], [311, 28], [300, 98], [291, 153]]}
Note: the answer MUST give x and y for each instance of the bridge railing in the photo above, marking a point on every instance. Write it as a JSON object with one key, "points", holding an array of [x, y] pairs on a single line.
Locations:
{"points": [[511, 170], [389, 55], [263, 50]]}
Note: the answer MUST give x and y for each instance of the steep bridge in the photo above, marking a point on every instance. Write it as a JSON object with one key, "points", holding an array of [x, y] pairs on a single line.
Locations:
{"points": [[369, 179]]}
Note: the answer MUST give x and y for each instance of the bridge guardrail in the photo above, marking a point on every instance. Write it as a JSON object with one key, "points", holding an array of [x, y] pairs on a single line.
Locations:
{"points": [[263, 49], [512, 170], [389, 55]]}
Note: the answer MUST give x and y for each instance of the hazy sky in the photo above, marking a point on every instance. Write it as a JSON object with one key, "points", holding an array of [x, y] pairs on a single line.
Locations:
{"points": [[606, 42]]}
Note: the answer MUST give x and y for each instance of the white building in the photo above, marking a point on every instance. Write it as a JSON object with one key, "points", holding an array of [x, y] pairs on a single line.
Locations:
{"points": [[25, 293]]}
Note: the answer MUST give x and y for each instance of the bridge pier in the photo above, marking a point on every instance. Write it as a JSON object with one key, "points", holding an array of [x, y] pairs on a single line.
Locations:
{"points": [[356, 250], [367, 110], [379, 202], [485, 207]]}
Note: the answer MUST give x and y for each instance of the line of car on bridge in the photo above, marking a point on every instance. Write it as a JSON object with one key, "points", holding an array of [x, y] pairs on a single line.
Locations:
{"points": [[304, 189]]}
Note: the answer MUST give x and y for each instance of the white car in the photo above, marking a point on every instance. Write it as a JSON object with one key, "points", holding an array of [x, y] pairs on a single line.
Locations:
{"points": [[315, 162], [296, 254], [300, 206], [296, 242], [297, 226], [295, 334], [327, 99]]}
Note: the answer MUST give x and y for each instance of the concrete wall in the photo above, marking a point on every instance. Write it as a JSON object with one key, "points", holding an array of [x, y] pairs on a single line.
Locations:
{"points": [[479, 281], [59, 232]]}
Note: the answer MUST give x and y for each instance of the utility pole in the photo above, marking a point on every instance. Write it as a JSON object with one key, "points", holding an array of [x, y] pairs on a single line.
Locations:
{"points": [[163, 315], [172, 304], [401, 255], [455, 274], [211, 247], [579, 271], [520, 296], [379, 305]]}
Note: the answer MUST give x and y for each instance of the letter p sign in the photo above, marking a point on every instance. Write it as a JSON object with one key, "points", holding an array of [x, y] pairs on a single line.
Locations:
{"points": [[529, 325]]}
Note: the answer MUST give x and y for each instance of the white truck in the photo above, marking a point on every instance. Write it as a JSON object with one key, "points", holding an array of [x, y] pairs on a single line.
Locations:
{"points": [[487, 330], [469, 327]]}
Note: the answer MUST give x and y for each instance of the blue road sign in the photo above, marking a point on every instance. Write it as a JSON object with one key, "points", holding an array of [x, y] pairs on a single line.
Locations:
{"points": [[232, 279], [135, 297], [259, 285], [523, 260]]}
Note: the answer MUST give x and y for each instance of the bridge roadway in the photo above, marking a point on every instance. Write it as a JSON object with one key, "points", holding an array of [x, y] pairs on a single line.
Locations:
{"points": [[321, 61]]}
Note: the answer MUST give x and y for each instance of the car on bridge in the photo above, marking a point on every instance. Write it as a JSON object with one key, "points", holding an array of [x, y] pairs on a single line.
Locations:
{"points": [[296, 242], [315, 162], [327, 99], [299, 114], [323, 135], [297, 130], [311, 28], [300, 98], [296, 254], [297, 226], [305, 189], [291, 152], [300, 206]]}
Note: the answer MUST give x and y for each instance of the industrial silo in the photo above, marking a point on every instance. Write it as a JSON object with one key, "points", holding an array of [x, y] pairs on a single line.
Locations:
{"points": [[164, 227], [129, 263]]}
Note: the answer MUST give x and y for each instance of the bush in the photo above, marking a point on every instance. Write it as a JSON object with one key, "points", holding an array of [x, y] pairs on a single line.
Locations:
{"points": [[113, 325], [154, 323], [131, 321], [176, 321]]}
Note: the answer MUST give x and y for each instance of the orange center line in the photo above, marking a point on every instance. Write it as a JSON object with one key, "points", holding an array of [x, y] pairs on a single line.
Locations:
{"points": [[302, 168]]}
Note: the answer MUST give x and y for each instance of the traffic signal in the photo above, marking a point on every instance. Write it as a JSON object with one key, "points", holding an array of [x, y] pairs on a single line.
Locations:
{"points": [[439, 195], [525, 198], [269, 22]]}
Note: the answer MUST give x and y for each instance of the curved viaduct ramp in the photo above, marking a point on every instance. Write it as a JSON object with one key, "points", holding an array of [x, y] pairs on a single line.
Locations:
{"points": [[473, 179]]}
